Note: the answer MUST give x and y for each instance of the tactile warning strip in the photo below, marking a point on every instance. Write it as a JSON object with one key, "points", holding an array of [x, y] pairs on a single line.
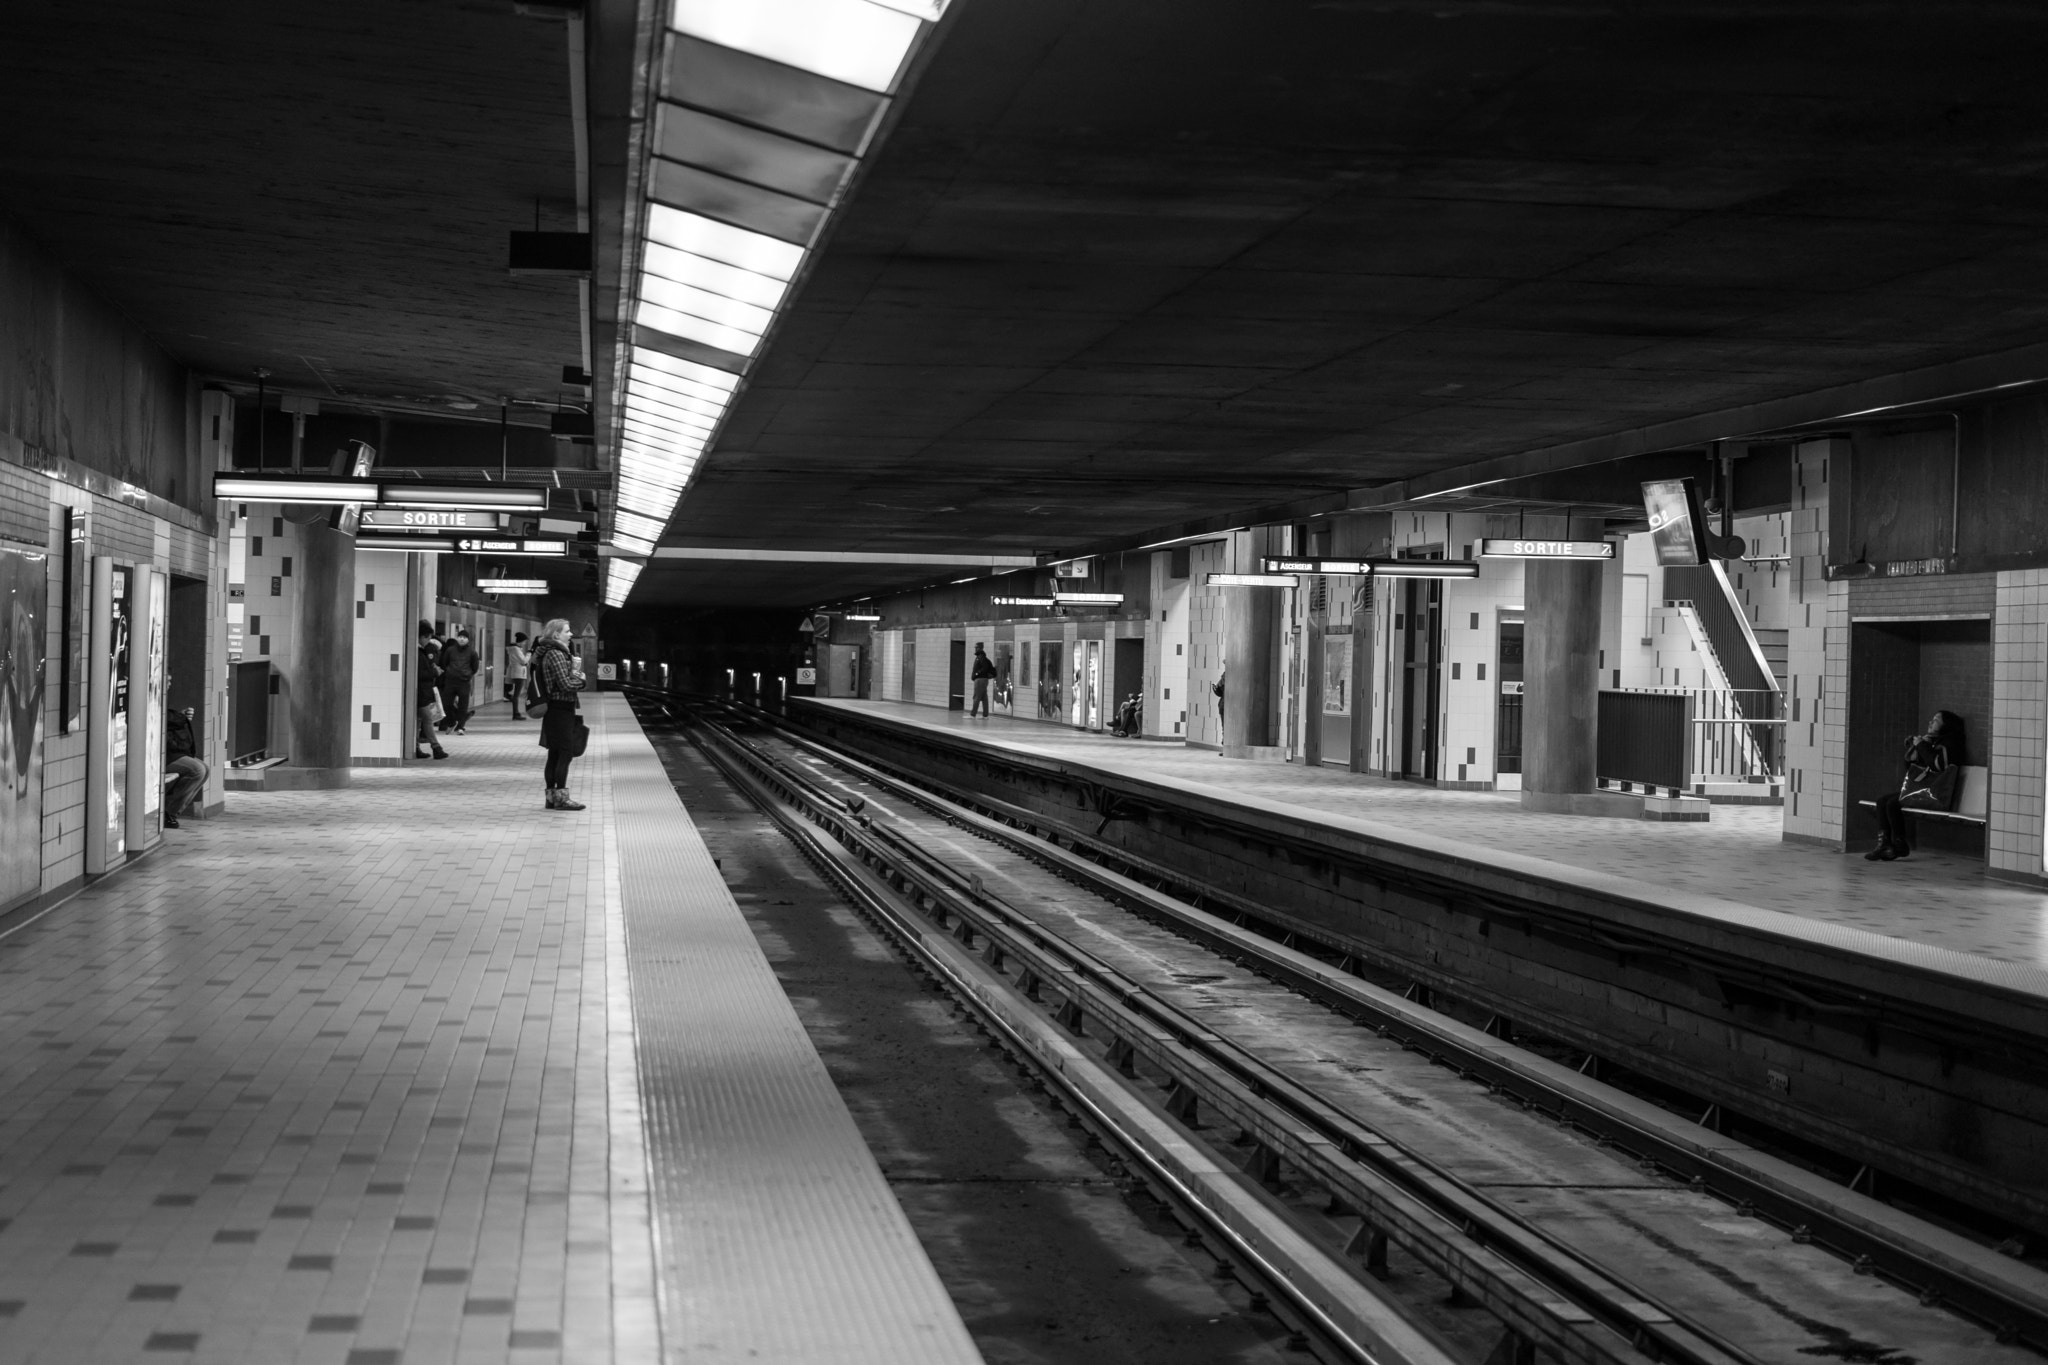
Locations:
{"points": [[779, 1238]]}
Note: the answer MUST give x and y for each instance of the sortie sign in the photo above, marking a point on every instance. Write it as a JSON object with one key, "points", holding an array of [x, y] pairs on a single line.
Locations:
{"points": [[426, 519], [1546, 549]]}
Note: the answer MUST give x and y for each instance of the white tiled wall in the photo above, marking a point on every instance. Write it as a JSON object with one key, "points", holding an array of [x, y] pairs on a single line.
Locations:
{"points": [[934, 650], [1205, 641], [380, 725], [1168, 704], [1813, 807], [2019, 701]]}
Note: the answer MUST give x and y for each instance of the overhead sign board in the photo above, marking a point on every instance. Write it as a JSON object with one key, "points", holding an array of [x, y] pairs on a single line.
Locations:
{"points": [[430, 519], [1676, 522], [513, 547], [1325, 566], [1515, 548], [1254, 580]]}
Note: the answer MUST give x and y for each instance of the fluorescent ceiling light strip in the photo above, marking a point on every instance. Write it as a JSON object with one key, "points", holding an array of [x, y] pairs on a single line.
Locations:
{"points": [[846, 40], [662, 433], [635, 524], [687, 267], [287, 489], [661, 362], [654, 381], [669, 449], [669, 415], [703, 303], [693, 232], [640, 391], [694, 328]]}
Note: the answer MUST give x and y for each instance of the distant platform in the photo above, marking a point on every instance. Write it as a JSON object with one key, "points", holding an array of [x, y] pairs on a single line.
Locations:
{"points": [[1938, 900], [418, 1071]]}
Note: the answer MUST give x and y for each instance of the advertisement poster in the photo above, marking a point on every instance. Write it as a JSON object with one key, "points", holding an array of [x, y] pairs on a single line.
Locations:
{"points": [[1336, 675], [106, 778], [149, 730], [24, 588]]}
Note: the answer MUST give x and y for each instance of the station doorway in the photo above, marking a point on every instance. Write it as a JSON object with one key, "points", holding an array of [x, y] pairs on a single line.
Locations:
{"points": [[1418, 624], [1507, 722]]}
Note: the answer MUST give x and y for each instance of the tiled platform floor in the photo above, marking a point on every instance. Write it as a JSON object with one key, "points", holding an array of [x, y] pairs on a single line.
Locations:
{"points": [[1937, 899], [350, 1077]]}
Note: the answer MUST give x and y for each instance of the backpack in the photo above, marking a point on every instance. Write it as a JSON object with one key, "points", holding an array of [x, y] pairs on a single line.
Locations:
{"points": [[536, 700]]}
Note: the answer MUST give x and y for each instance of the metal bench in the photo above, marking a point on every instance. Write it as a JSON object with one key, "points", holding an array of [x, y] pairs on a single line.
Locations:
{"points": [[1973, 800]]}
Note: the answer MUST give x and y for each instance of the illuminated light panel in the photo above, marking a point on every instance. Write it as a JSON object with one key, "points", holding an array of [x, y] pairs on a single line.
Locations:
{"points": [[702, 303], [670, 415], [422, 545], [660, 362], [847, 40], [701, 236], [654, 381], [687, 267], [529, 585], [1089, 599], [490, 495], [1254, 580], [695, 328], [638, 391], [620, 575], [663, 434], [292, 489]]}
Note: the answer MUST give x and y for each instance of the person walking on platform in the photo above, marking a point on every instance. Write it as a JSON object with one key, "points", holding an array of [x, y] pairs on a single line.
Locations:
{"points": [[1934, 761], [425, 693], [181, 759], [984, 674], [458, 670], [517, 657], [557, 678]]}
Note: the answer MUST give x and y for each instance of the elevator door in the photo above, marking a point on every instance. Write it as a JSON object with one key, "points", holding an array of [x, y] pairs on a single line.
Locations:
{"points": [[1421, 667]]}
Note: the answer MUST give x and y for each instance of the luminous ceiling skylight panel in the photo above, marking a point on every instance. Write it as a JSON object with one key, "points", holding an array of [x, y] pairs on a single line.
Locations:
{"points": [[688, 298], [931, 10], [654, 381], [849, 40], [663, 436], [702, 236], [687, 267], [670, 414], [696, 329], [640, 392], [636, 524], [661, 362]]}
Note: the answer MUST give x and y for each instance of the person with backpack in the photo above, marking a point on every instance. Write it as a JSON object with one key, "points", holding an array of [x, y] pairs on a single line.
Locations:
{"points": [[984, 673], [553, 683], [426, 694]]}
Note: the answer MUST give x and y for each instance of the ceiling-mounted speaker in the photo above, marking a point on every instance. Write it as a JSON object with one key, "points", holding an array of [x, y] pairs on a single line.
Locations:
{"points": [[563, 254]]}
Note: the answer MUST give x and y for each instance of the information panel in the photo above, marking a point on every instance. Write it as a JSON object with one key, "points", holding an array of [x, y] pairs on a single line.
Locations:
{"points": [[106, 769], [1676, 522], [146, 711]]}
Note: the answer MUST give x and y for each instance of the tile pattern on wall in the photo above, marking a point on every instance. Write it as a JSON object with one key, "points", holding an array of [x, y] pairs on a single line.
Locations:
{"points": [[2019, 698]]}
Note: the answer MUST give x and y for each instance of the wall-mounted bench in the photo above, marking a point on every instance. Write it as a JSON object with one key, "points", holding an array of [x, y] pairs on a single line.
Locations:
{"points": [[1973, 800]]}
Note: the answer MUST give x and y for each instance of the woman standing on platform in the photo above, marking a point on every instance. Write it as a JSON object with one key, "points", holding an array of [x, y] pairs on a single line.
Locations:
{"points": [[557, 677], [517, 657], [1934, 762]]}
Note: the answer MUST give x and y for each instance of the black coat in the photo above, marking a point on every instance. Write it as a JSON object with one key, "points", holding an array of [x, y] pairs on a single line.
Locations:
{"points": [[430, 673], [459, 662], [179, 741]]}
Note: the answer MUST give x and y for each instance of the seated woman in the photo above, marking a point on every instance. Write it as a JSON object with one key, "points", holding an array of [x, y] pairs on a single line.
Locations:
{"points": [[1934, 762]]}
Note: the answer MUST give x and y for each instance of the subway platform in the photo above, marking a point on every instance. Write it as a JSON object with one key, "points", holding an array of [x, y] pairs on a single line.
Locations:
{"points": [[1939, 900], [419, 1071]]}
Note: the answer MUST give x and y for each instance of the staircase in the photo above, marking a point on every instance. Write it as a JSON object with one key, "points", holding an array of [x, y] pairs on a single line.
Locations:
{"points": [[1773, 644]]}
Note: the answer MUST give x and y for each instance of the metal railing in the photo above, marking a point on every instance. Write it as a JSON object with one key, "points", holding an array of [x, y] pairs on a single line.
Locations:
{"points": [[1730, 735], [1645, 738]]}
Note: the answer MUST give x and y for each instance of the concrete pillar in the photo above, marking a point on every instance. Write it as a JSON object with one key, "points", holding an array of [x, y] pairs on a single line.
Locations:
{"points": [[323, 662], [1561, 685], [1251, 652]]}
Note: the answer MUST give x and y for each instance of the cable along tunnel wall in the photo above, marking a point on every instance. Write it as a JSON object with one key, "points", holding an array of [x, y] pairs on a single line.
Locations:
{"points": [[1932, 1075]]}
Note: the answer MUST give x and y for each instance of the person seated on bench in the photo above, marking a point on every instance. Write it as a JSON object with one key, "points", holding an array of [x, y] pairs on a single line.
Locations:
{"points": [[182, 768], [1934, 762]]}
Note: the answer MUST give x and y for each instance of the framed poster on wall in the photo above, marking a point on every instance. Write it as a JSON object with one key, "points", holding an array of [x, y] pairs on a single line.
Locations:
{"points": [[24, 591], [106, 719], [146, 708]]}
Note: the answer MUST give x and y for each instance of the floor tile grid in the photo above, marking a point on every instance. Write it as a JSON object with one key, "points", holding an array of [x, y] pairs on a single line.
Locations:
{"points": [[401, 954]]}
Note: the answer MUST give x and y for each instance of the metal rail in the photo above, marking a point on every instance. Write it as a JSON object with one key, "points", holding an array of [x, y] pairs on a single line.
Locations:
{"points": [[1544, 1292], [2015, 1311]]}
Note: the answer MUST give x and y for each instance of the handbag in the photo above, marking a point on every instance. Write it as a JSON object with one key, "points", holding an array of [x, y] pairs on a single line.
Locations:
{"points": [[434, 713], [579, 737]]}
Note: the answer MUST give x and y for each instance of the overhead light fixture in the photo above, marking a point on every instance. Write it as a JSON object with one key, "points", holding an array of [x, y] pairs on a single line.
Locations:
{"points": [[716, 277], [419, 545], [294, 489], [863, 616], [1254, 580], [846, 40], [1089, 599], [1014, 602], [513, 585], [735, 246], [327, 491], [1426, 568]]}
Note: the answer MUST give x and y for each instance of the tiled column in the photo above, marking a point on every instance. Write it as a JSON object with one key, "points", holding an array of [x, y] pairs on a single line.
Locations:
{"points": [[1561, 672], [1813, 811], [323, 661], [1251, 624], [2019, 708]]}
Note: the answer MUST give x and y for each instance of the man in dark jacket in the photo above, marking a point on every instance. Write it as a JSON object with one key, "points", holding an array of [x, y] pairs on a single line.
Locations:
{"points": [[984, 673], [425, 693], [458, 666], [181, 761]]}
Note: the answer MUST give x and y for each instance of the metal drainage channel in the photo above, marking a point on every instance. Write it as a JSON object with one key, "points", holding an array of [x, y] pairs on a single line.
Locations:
{"points": [[1545, 1293], [1484, 1055], [1318, 1298]]}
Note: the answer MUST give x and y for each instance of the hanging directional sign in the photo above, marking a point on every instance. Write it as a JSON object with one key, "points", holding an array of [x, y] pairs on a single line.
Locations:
{"points": [[426, 519], [514, 547], [1326, 566], [1517, 548]]}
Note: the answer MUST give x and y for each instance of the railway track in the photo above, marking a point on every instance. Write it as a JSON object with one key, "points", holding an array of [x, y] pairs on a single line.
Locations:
{"points": [[1301, 1122]]}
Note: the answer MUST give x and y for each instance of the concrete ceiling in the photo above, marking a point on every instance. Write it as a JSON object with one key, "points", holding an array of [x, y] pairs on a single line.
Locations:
{"points": [[324, 191], [1126, 265]]}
